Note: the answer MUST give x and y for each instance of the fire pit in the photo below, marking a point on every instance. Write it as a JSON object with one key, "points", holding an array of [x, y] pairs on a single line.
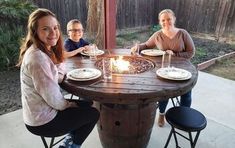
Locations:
{"points": [[128, 64]]}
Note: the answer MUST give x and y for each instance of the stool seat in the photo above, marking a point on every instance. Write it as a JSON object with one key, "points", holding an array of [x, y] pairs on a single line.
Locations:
{"points": [[185, 118], [52, 142]]}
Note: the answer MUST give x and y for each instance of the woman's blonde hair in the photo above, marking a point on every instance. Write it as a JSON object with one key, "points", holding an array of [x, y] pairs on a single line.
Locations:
{"points": [[166, 11], [33, 39]]}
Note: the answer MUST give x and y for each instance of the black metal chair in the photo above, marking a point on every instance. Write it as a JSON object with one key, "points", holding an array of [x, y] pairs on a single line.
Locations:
{"points": [[185, 119]]}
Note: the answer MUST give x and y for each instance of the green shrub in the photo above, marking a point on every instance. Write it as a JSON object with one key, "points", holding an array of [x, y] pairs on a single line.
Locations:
{"points": [[13, 20], [15, 11], [155, 28], [200, 54], [9, 45]]}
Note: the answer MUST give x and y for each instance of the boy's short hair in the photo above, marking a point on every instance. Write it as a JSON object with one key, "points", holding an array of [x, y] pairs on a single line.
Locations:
{"points": [[71, 22]]}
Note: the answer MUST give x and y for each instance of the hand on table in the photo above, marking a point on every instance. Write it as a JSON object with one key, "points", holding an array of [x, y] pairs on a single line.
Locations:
{"points": [[79, 50], [170, 52], [135, 49]]}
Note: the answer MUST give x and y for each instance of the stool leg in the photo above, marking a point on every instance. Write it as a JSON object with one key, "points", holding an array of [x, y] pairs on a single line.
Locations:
{"points": [[52, 141], [71, 96], [176, 141], [175, 103], [177, 100], [193, 142], [44, 142], [169, 137], [191, 139]]}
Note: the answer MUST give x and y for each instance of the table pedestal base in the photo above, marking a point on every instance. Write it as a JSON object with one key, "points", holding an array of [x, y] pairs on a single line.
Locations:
{"points": [[125, 126]]}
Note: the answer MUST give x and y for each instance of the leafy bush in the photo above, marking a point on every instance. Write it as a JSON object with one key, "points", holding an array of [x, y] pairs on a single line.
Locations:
{"points": [[15, 11], [9, 45], [13, 20], [155, 28], [200, 54]]}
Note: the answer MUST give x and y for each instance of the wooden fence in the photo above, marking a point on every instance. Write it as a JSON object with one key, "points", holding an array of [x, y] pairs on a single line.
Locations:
{"points": [[65, 10], [216, 17]]}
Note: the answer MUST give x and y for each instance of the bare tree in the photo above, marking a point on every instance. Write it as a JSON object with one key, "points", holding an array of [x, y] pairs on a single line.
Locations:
{"points": [[95, 21]]}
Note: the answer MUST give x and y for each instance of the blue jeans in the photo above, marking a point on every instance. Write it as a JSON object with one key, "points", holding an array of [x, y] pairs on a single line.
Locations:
{"points": [[185, 100]]}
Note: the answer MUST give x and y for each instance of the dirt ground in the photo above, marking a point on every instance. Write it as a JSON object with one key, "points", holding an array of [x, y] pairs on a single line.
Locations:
{"points": [[9, 91], [10, 80]]}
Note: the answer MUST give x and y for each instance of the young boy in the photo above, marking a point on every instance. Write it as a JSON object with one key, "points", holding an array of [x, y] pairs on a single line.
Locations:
{"points": [[75, 43]]}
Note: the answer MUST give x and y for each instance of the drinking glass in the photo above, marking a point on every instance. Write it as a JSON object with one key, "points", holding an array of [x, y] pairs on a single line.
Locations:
{"points": [[166, 60], [136, 47], [93, 49], [107, 68]]}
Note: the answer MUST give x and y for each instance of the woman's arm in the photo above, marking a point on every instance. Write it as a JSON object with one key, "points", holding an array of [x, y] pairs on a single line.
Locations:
{"points": [[189, 46], [45, 80], [150, 43]]}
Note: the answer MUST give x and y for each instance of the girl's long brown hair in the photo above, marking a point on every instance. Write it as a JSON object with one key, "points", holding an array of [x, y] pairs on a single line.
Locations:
{"points": [[32, 38]]}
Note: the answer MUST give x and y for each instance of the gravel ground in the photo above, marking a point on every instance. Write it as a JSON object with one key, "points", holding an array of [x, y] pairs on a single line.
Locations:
{"points": [[10, 91], [10, 80]]}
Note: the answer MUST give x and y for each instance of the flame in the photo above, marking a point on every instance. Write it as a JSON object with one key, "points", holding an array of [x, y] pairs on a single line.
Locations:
{"points": [[121, 64]]}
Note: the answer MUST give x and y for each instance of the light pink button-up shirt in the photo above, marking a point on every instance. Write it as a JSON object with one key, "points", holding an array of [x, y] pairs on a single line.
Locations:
{"points": [[41, 96]]}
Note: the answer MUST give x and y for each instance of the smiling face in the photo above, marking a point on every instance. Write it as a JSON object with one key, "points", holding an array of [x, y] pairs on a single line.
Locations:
{"points": [[48, 31], [167, 20], [75, 32]]}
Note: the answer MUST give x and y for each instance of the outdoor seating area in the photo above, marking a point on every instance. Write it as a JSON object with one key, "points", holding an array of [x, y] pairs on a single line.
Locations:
{"points": [[215, 135], [81, 84]]}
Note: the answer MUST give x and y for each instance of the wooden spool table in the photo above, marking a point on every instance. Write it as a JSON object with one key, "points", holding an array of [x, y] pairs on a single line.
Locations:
{"points": [[127, 103]]}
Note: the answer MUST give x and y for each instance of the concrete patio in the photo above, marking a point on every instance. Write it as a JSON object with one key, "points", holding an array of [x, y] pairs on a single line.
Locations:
{"points": [[213, 96]]}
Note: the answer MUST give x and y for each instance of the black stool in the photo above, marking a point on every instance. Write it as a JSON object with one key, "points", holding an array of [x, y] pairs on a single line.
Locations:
{"points": [[175, 101], [51, 141], [185, 119]]}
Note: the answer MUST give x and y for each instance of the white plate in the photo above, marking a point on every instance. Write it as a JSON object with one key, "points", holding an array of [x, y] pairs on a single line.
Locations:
{"points": [[174, 73], [84, 74], [152, 52], [88, 53]]}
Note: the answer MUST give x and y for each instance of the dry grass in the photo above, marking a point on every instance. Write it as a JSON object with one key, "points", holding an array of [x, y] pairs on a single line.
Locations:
{"points": [[223, 68]]}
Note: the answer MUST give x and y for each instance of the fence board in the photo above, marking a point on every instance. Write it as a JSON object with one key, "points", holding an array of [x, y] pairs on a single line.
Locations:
{"points": [[203, 16], [230, 25], [65, 10]]}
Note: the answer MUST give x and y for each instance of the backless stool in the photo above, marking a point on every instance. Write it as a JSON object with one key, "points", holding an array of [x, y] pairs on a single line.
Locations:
{"points": [[185, 119], [52, 139], [175, 101], [52, 143]]}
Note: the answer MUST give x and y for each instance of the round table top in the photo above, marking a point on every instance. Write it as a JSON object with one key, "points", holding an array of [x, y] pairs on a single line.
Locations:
{"points": [[129, 88]]}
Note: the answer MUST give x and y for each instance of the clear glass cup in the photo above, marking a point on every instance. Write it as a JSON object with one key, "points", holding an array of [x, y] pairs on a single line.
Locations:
{"points": [[166, 60], [92, 52], [107, 68], [136, 48]]}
